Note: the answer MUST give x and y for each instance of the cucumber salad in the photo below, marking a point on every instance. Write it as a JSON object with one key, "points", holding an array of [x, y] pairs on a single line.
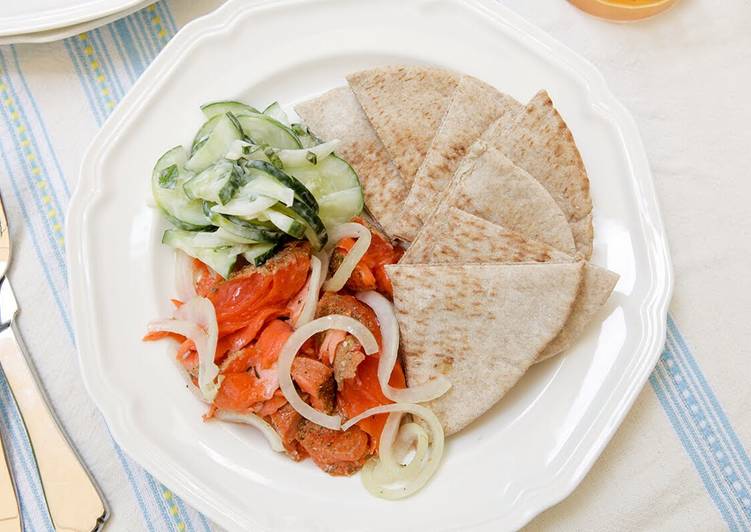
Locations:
{"points": [[249, 183]]}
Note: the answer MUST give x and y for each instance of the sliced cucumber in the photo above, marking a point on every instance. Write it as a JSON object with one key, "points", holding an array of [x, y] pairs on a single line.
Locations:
{"points": [[203, 133], [177, 207], [219, 238], [339, 207], [262, 129], [301, 191], [216, 184], [213, 109], [245, 229], [257, 255], [220, 259], [330, 175], [216, 145], [285, 223], [315, 231], [246, 207], [276, 112]]}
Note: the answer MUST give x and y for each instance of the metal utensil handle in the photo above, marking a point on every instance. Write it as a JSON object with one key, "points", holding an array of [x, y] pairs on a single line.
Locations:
{"points": [[10, 515], [72, 498]]}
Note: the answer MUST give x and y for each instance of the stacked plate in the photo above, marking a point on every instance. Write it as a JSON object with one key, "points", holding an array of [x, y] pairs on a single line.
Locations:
{"points": [[38, 21]]}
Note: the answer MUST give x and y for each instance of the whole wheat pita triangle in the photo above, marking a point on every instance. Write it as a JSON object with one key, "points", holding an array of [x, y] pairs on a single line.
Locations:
{"points": [[481, 326], [487, 184], [540, 142], [336, 114], [459, 238], [474, 106], [405, 105]]}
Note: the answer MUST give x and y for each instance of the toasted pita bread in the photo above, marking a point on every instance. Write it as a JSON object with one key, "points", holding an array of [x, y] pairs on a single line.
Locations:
{"points": [[337, 115], [487, 184], [465, 238], [473, 108], [406, 105], [481, 326], [540, 142]]}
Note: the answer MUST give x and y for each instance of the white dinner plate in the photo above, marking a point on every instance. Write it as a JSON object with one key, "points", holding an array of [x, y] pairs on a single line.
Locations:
{"points": [[69, 31], [28, 16], [528, 452]]}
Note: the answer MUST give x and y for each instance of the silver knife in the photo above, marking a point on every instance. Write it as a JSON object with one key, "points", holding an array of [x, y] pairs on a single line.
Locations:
{"points": [[74, 500]]}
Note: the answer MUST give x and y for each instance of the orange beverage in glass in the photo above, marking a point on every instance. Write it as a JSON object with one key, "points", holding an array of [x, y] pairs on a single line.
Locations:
{"points": [[623, 10]]}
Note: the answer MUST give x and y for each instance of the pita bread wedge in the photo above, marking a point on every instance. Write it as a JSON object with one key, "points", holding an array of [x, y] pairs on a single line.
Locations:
{"points": [[406, 105], [481, 326], [541, 143], [337, 115], [488, 185], [462, 237], [473, 108]]}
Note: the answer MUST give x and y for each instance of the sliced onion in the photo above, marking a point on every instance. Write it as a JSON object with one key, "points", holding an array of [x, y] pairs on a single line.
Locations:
{"points": [[236, 150], [342, 274], [311, 298], [293, 345], [301, 157], [186, 289], [244, 206], [389, 325], [410, 434], [251, 419], [428, 466], [325, 258], [196, 320]]}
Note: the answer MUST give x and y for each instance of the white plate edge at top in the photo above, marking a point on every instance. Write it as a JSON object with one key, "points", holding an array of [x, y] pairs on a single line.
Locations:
{"points": [[62, 18], [57, 34], [653, 311]]}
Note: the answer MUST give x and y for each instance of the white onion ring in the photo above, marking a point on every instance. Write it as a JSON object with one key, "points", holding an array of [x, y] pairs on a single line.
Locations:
{"points": [[430, 464], [342, 274], [184, 283], [311, 298], [293, 345], [384, 472], [389, 325], [275, 442], [196, 320]]}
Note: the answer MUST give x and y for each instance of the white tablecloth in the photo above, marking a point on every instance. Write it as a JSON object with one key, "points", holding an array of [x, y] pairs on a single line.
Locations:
{"points": [[677, 463]]}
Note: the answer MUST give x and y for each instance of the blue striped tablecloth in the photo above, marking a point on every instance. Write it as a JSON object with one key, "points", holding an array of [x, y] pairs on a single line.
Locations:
{"points": [[678, 462]]}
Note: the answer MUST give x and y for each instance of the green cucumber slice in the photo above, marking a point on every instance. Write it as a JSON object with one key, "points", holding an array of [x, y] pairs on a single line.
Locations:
{"points": [[203, 133], [216, 145], [257, 255], [245, 229], [213, 109], [285, 223], [216, 184], [262, 129], [220, 259], [178, 208], [276, 112], [340, 207], [315, 231], [301, 191]]}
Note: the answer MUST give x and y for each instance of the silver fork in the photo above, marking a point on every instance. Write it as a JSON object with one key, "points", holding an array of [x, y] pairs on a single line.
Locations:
{"points": [[74, 501]]}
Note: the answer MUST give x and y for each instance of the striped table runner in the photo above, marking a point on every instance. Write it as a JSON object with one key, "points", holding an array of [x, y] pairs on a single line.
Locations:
{"points": [[54, 97]]}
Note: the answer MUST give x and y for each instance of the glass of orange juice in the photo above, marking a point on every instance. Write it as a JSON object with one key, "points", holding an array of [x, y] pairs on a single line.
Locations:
{"points": [[623, 10]]}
